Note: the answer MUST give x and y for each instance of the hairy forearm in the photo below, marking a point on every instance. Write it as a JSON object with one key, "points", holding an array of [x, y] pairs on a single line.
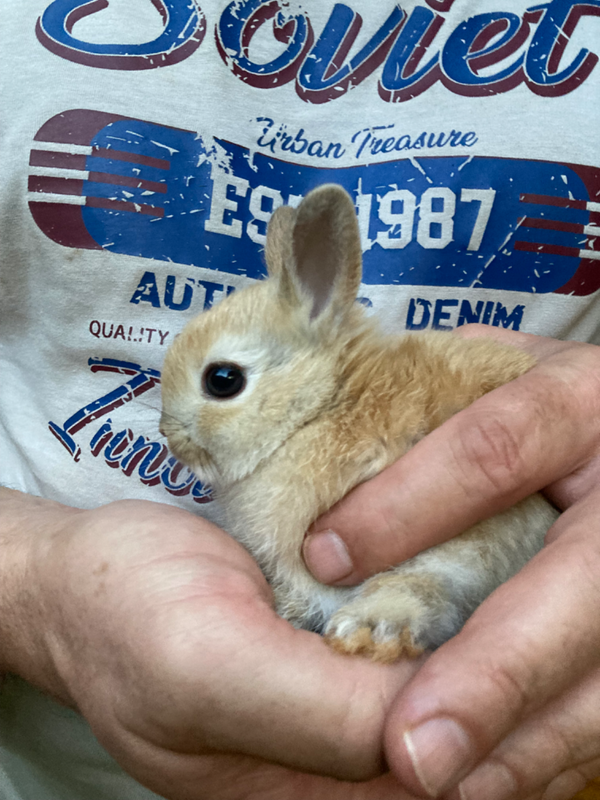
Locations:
{"points": [[28, 527]]}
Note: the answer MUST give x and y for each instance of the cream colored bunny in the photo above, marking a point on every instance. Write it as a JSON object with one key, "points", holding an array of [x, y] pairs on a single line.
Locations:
{"points": [[286, 395]]}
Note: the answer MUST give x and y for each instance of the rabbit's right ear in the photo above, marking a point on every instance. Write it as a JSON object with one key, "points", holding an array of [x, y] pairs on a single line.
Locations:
{"points": [[278, 251], [314, 252]]}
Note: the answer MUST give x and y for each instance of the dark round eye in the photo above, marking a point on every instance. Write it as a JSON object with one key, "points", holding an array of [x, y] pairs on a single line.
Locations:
{"points": [[223, 380]]}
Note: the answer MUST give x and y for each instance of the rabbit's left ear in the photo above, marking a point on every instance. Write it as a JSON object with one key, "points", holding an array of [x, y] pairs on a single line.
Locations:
{"points": [[314, 252]]}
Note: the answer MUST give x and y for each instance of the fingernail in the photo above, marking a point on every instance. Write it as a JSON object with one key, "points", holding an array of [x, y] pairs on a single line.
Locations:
{"points": [[440, 752], [326, 557], [565, 786], [493, 781]]}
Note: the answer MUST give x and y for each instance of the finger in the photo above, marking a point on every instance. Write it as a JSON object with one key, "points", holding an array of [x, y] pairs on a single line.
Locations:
{"points": [[554, 752], [539, 346], [278, 694], [508, 444], [296, 701], [533, 638], [176, 776], [306, 707], [564, 786], [565, 492], [580, 483]]}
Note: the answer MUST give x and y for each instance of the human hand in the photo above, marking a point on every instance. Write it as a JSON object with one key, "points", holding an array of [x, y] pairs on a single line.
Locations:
{"points": [[509, 707], [158, 627]]}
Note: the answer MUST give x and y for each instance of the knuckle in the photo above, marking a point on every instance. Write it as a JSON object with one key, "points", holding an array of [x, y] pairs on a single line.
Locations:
{"points": [[546, 420], [492, 447], [513, 773], [512, 683], [573, 386]]}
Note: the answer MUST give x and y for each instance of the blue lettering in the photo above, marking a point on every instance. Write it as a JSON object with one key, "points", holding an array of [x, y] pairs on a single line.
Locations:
{"points": [[148, 458], [210, 288], [147, 291], [487, 314], [440, 314], [548, 45], [114, 450], [170, 474], [237, 25], [186, 299], [462, 57], [466, 315], [263, 141], [324, 75], [141, 381], [401, 79], [184, 29], [512, 320], [411, 325]]}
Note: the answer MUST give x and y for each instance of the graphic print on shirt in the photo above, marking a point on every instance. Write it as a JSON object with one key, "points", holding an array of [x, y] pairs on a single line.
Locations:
{"points": [[135, 455], [324, 64], [103, 181], [183, 32], [431, 213]]}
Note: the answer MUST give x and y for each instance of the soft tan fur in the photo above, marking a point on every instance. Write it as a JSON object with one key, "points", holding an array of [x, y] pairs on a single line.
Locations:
{"points": [[329, 402]]}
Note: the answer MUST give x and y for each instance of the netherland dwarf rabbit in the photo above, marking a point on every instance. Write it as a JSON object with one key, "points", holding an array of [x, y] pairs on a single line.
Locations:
{"points": [[286, 395]]}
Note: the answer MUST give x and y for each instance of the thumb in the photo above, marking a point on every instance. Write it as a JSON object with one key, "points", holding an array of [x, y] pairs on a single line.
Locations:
{"points": [[530, 641]]}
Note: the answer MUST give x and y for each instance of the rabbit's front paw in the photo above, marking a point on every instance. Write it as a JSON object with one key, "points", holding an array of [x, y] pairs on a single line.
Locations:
{"points": [[347, 633], [394, 616]]}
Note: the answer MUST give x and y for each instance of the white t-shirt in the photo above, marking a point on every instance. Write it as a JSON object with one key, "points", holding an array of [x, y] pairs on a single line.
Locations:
{"points": [[142, 156]]}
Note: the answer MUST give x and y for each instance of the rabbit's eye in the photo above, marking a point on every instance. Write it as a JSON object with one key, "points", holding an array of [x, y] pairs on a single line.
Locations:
{"points": [[223, 380]]}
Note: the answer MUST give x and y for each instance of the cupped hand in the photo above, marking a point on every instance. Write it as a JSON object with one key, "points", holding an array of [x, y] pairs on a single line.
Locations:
{"points": [[158, 627], [509, 708]]}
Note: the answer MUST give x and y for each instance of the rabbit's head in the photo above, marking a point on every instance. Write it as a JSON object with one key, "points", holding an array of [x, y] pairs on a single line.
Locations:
{"points": [[244, 376]]}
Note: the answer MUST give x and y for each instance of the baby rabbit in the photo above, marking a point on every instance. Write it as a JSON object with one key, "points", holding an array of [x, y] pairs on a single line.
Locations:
{"points": [[286, 395]]}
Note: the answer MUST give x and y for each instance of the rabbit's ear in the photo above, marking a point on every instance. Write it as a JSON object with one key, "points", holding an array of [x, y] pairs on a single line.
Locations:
{"points": [[327, 255], [279, 254], [278, 247], [314, 252]]}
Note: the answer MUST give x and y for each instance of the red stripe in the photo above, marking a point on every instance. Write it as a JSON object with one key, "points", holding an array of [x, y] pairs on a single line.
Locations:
{"points": [[551, 200], [551, 249], [48, 158], [552, 225], [134, 158], [43, 183], [127, 180], [45, 158]]}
